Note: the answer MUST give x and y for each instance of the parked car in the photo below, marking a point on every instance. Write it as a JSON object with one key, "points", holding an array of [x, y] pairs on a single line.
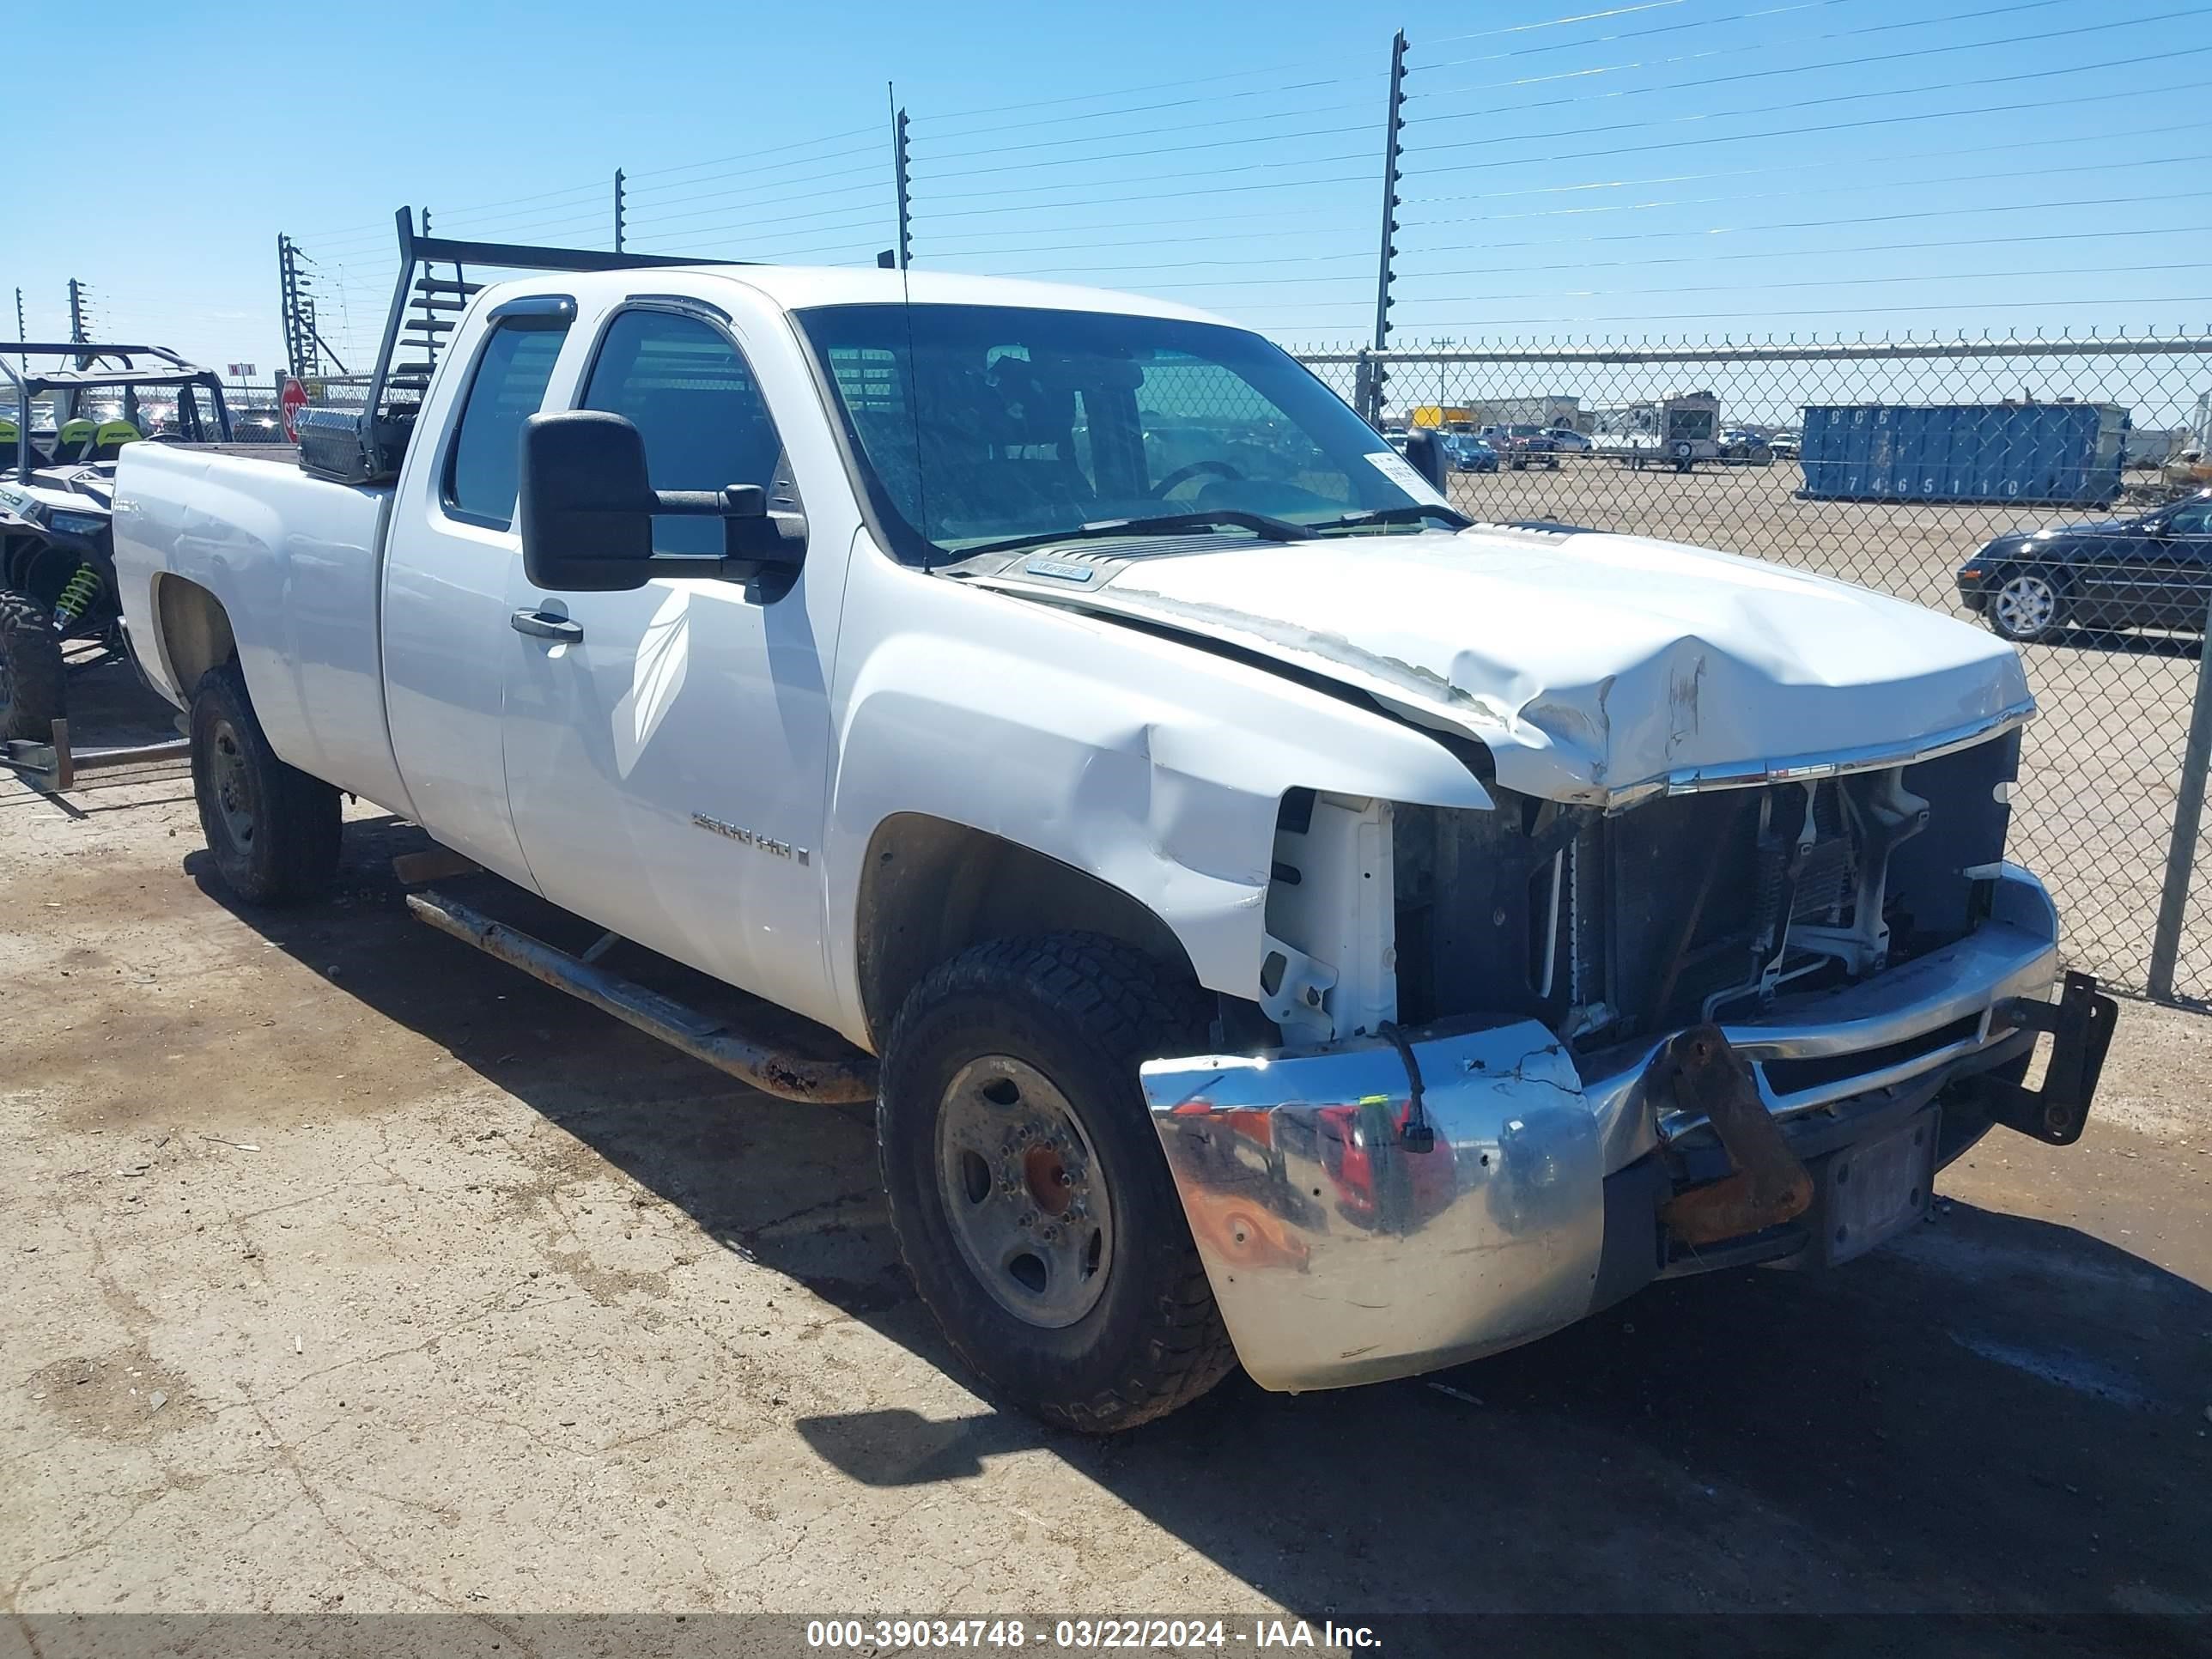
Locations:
{"points": [[1741, 444], [1468, 453], [1519, 447], [1568, 441], [1274, 921], [2151, 571], [1785, 445]]}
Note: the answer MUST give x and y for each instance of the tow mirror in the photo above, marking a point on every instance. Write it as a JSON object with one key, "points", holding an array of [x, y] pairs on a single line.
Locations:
{"points": [[587, 506], [1425, 452]]}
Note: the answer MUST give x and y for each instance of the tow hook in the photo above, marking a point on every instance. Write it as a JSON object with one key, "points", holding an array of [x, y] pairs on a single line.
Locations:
{"points": [[1770, 1184], [2080, 1025]]}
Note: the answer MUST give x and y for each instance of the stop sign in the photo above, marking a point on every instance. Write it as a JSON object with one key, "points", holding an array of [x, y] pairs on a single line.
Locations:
{"points": [[289, 403]]}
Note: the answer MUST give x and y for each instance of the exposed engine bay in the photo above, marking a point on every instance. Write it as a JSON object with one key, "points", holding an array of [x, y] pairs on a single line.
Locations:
{"points": [[1608, 927]]}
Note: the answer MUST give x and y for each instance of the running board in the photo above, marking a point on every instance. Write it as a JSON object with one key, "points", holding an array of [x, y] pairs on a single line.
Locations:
{"points": [[772, 1071]]}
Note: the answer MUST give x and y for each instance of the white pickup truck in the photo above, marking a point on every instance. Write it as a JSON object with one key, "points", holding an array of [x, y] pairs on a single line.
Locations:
{"points": [[1278, 921]]}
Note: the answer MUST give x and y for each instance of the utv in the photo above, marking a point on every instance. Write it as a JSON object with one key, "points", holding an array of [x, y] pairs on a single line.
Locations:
{"points": [[56, 491]]}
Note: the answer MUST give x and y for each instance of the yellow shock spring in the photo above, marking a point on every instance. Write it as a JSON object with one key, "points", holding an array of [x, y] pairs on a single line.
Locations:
{"points": [[84, 588]]}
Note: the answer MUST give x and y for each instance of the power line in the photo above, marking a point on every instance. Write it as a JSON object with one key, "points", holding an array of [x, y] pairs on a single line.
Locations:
{"points": [[1154, 131], [1558, 22], [1839, 126], [1159, 179], [774, 150], [1834, 98], [1154, 86], [761, 227], [1166, 149], [1869, 165], [1854, 219], [1730, 52], [656, 204], [2099, 28], [1737, 316], [766, 174], [748, 207]]}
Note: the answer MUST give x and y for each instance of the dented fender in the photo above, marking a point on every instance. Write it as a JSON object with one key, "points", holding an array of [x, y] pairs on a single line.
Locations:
{"points": [[1155, 767]]}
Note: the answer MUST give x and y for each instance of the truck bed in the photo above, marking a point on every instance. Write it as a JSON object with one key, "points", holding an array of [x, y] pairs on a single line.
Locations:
{"points": [[296, 564]]}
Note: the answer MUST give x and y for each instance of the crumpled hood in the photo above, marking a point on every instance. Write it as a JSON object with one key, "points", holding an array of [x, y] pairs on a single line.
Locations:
{"points": [[1594, 666]]}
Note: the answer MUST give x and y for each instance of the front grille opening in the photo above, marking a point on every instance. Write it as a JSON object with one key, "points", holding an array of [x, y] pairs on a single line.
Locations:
{"points": [[1791, 1077]]}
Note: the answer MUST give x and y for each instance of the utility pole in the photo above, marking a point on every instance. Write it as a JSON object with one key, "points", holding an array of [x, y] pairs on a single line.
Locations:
{"points": [[78, 336], [618, 210], [899, 160], [22, 333], [1393, 128]]}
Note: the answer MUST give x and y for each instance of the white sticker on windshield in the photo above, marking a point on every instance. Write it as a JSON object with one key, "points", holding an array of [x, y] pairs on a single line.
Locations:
{"points": [[1400, 471]]}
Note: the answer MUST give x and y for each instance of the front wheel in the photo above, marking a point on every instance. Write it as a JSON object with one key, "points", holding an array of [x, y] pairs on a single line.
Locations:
{"points": [[2026, 607], [272, 829], [33, 691], [1031, 1199]]}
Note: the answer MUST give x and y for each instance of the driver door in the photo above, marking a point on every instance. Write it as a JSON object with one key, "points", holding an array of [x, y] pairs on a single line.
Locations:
{"points": [[668, 748]]}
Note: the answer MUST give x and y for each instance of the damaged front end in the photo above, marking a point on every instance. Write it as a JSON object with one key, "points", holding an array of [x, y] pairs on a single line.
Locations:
{"points": [[1531, 1059]]}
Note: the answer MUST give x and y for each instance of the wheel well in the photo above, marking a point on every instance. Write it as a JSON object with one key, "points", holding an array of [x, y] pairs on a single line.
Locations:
{"points": [[194, 628], [932, 888]]}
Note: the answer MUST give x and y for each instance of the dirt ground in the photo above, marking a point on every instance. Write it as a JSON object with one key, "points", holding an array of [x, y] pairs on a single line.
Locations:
{"points": [[349, 1271], [2099, 764]]}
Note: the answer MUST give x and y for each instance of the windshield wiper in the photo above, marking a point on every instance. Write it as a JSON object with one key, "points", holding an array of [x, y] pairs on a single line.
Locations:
{"points": [[1166, 524], [1410, 515]]}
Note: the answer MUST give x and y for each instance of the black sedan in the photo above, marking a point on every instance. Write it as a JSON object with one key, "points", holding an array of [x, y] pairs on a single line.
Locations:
{"points": [[2151, 572]]}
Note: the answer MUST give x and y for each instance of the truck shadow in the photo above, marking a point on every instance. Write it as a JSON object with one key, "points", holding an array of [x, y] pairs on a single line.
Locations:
{"points": [[1995, 1413]]}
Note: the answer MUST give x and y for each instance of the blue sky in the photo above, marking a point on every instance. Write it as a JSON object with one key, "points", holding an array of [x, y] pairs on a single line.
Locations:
{"points": [[1610, 168]]}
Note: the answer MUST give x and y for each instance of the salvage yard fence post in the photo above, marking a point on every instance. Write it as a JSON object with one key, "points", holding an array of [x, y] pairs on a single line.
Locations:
{"points": [[1914, 466], [2188, 817]]}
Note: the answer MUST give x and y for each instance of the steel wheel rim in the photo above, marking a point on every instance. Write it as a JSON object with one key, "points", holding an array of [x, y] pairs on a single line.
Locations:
{"points": [[1023, 1191], [232, 787], [2026, 605]]}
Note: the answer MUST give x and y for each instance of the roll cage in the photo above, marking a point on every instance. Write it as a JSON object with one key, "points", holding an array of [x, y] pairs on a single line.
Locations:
{"points": [[95, 366]]}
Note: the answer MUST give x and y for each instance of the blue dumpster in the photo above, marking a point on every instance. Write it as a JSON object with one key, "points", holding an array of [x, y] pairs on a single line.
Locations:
{"points": [[2047, 454]]}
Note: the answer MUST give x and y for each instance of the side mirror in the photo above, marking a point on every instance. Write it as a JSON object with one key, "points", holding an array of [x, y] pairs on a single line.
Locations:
{"points": [[1425, 452], [587, 506], [587, 503]]}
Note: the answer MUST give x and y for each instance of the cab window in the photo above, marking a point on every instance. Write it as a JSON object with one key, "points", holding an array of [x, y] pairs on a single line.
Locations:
{"points": [[483, 468], [692, 397]]}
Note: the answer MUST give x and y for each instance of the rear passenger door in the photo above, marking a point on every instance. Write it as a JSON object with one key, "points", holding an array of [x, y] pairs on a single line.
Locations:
{"points": [[450, 558], [668, 765]]}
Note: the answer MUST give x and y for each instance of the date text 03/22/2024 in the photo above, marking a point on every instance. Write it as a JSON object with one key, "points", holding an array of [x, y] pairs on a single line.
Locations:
{"points": [[1091, 1635]]}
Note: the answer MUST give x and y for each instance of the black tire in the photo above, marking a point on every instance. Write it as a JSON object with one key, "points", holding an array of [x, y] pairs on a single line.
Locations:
{"points": [[1082, 1011], [2014, 613], [34, 693], [272, 829]]}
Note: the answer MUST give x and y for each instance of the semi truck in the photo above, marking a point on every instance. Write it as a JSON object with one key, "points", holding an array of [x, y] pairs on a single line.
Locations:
{"points": [[1276, 920]]}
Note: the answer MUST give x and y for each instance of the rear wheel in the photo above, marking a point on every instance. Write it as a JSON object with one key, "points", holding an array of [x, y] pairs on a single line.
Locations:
{"points": [[1032, 1202], [272, 829], [2026, 606], [33, 692]]}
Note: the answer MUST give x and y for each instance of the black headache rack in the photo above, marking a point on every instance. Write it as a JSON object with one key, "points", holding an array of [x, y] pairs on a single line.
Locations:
{"points": [[366, 445]]}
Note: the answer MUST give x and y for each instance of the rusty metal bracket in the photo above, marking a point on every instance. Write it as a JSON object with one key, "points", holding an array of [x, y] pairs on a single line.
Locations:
{"points": [[1770, 1184], [2081, 1023], [51, 768]]}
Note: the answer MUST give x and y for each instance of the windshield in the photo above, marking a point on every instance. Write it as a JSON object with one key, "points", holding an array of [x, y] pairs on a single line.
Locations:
{"points": [[978, 425]]}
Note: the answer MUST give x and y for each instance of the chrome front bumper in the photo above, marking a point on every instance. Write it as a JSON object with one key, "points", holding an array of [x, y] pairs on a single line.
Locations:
{"points": [[1338, 1254]]}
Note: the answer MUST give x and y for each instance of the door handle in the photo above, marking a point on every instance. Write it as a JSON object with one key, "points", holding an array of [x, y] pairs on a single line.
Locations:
{"points": [[540, 625]]}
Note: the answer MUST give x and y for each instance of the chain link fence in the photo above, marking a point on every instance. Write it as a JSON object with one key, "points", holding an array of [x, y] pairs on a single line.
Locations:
{"points": [[1917, 468]]}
